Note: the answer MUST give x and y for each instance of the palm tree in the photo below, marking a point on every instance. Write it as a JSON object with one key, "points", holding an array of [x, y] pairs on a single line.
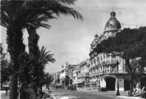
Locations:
{"points": [[38, 71], [45, 10], [17, 15], [9, 19], [51, 10], [32, 71]]}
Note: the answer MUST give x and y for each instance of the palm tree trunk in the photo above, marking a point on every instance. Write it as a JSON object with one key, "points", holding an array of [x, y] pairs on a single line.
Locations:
{"points": [[15, 48], [33, 42], [34, 53], [13, 87]]}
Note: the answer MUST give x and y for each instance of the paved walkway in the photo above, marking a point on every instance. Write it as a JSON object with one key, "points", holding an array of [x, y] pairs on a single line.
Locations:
{"points": [[123, 94], [95, 91], [69, 94], [108, 93]]}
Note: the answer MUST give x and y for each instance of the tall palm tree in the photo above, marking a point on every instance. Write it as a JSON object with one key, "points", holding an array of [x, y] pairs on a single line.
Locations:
{"points": [[51, 9], [17, 15], [42, 10], [9, 19], [32, 71], [38, 71]]}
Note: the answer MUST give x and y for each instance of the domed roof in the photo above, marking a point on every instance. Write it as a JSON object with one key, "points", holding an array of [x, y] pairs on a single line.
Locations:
{"points": [[112, 24]]}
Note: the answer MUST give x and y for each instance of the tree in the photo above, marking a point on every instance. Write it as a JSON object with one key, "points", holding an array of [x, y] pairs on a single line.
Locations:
{"points": [[47, 80], [9, 19], [36, 18], [17, 15], [32, 71], [45, 10], [38, 67], [129, 44]]}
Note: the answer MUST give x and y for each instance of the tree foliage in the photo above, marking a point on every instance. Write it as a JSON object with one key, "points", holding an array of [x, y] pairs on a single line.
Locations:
{"points": [[32, 70], [131, 42], [35, 12]]}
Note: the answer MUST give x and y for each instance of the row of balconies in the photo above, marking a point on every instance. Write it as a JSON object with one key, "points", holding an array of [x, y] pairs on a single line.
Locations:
{"points": [[104, 61], [104, 71]]}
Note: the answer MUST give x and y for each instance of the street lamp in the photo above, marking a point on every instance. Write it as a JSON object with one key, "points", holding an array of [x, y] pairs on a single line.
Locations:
{"points": [[117, 92]]}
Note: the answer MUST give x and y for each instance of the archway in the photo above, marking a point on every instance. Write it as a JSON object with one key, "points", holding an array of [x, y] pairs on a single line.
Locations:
{"points": [[110, 83], [126, 85]]}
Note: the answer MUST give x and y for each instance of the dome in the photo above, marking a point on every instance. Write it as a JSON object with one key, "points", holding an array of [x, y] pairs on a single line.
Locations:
{"points": [[112, 24]]}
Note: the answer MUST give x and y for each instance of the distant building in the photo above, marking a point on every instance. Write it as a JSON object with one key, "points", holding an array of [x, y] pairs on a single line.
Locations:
{"points": [[56, 77], [67, 71], [81, 74]]}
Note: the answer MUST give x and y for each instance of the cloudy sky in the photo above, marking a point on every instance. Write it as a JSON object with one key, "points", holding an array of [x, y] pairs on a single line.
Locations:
{"points": [[69, 39]]}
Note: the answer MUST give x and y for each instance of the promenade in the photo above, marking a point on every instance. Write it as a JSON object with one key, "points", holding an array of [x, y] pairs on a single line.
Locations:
{"points": [[123, 94], [82, 94]]}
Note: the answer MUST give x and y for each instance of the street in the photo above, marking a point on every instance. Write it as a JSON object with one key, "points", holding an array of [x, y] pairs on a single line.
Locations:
{"points": [[67, 94]]}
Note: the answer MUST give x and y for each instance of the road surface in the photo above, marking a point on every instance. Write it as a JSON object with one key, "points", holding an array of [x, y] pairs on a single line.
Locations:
{"points": [[67, 94]]}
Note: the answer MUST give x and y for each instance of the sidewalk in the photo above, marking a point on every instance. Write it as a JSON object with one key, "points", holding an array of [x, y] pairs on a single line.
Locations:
{"points": [[95, 91], [123, 94]]}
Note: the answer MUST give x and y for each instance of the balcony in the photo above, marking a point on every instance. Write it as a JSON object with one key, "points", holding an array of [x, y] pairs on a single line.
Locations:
{"points": [[109, 61]]}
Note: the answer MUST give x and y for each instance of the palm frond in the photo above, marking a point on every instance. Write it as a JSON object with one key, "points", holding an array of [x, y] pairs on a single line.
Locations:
{"points": [[59, 8], [47, 26], [67, 1], [45, 56], [29, 11]]}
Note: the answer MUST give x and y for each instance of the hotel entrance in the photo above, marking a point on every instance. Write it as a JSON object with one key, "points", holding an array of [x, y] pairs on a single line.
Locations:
{"points": [[126, 85], [110, 83]]}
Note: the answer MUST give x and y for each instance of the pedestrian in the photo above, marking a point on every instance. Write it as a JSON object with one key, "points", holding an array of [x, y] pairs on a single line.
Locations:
{"points": [[138, 90], [144, 92]]}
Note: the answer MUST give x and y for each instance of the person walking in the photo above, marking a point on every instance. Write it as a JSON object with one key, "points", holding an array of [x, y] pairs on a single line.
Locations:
{"points": [[144, 92]]}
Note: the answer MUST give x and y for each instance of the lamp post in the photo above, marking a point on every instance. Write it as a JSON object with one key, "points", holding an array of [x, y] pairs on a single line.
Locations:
{"points": [[117, 92]]}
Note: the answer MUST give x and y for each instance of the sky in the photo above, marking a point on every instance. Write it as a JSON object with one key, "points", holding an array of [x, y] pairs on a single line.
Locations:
{"points": [[69, 39]]}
